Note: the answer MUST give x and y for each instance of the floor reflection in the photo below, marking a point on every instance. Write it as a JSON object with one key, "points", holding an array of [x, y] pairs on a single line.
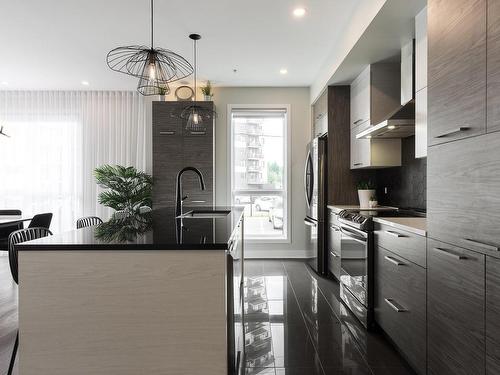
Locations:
{"points": [[296, 324]]}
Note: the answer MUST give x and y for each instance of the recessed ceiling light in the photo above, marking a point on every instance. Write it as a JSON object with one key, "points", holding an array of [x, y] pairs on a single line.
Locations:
{"points": [[85, 83], [369, 137], [283, 71], [299, 12], [5, 83]]}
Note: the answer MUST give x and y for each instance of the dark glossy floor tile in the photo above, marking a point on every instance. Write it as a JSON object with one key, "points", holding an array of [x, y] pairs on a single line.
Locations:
{"points": [[260, 371], [299, 371], [355, 370], [392, 371], [293, 347]]}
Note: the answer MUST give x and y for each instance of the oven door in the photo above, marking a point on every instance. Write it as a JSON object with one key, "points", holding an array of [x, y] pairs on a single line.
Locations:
{"points": [[354, 264]]}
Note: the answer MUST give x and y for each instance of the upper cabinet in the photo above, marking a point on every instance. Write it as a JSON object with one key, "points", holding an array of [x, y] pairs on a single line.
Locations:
{"points": [[320, 115], [421, 84], [375, 93], [493, 79], [457, 69]]}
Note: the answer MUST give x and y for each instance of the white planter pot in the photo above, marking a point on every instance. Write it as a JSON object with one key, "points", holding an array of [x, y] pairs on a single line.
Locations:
{"points": [[364, 197], [208, 98]]}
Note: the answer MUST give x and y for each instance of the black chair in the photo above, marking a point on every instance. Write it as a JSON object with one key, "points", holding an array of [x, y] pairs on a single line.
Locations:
{"points": [[16, 237], [87, 221], [41, 221], [5, 230]]}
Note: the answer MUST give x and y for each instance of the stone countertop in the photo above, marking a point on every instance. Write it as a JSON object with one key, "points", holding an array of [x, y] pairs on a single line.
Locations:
{"points": [[337, 208], [417, 225], [156, 230]]}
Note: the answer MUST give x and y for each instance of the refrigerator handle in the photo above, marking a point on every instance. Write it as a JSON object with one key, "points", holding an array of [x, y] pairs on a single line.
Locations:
{"points": [[310, 222]]}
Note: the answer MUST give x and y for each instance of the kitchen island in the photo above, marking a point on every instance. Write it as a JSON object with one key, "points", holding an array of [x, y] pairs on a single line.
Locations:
{"points": [[152, 294]]}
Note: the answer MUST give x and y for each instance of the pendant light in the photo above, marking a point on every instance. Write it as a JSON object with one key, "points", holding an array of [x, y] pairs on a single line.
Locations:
{"points": [[196, 116], [2, 133], [155, 67]]}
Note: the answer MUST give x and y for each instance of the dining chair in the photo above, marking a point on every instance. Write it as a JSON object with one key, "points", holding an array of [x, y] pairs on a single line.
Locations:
{"points": [[5, 230], [41, 221], [88, 221], [15, 238]]}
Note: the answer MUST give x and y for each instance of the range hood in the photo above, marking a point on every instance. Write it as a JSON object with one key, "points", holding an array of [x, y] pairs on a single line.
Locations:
{"points": [[400, 122]]}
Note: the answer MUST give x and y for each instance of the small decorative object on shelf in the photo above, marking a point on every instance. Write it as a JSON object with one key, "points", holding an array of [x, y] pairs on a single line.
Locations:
{"points": [[184, 93], [162, 93], [128, 190], [373, 202], [366, 190], [207, 91]]}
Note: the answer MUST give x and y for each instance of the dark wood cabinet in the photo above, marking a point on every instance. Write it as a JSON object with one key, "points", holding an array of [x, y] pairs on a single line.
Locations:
{"points": [[174, 148], [457, 69], [455, 310], [463, 193], [493, 77], [400, 305], [492, 316]]}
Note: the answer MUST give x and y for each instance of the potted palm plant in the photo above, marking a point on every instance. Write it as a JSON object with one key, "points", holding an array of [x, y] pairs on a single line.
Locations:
{"points": [[127, 189], [207, 91], [366, 192]]}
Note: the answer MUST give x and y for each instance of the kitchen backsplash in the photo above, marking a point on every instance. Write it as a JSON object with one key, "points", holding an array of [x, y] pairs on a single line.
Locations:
{"points": [[406, 185]]}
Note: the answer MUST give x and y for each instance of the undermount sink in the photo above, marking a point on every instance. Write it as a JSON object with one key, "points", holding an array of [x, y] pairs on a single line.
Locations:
{"points": [[205, 214]]}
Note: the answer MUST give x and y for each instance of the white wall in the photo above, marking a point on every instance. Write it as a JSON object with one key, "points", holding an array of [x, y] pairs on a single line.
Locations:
{"points": [[300, 118]]}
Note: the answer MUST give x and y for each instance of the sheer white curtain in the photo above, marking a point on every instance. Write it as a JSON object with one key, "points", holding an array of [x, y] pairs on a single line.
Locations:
{"points": [[57, 139]]}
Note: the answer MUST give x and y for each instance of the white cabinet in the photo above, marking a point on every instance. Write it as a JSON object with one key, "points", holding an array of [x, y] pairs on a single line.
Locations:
{"points": [[373, 153], [360, 98], [421, 84], [320, 115], [421, 123], [421, 50]]}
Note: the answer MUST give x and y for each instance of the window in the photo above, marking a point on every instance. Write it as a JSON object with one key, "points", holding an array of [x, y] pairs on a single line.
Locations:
{"points": [[259, 169]]}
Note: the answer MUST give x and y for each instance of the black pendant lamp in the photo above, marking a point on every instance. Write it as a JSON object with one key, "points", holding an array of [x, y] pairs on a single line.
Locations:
{"points": [[155, 67], [195, 115]]}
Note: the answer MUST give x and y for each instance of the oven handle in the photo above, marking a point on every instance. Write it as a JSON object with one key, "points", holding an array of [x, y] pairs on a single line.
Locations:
{"points": [[309, 222], [352, 235]]}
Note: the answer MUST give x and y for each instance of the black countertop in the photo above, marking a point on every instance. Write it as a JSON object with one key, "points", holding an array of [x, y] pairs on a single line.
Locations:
{"points": [[156, 230]]}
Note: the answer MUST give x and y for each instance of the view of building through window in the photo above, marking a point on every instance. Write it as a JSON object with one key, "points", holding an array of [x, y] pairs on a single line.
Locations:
{"points": [[258, 170]]}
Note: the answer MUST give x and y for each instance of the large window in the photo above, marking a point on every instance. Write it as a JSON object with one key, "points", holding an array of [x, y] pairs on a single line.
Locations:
{"points": [[259, 169]]}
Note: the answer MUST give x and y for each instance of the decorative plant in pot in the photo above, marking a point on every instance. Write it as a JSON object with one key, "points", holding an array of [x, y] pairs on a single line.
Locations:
{"points": [[366, 193], [127, 188], [162, 93], [207, 91]]}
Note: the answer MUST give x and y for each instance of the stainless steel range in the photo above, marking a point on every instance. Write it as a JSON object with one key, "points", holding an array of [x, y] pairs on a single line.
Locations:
{"points": [[356, 264]]}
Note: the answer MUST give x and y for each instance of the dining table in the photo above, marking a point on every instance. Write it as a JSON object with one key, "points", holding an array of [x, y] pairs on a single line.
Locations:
{"points": [[7, 220]]}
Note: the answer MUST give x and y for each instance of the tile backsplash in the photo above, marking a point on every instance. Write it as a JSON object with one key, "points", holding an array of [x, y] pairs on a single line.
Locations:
{"points": [[404, 186]]}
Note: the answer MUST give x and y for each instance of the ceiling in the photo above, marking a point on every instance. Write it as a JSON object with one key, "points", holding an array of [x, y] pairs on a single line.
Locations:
{"points": [[54, 44]]}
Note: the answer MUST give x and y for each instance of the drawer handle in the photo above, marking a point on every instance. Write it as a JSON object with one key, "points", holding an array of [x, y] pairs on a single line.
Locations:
{"points": [[357, 121], [449, 253], [356, 164], [198, 133], [454, 131], [393, 260], [170, 132], [395, 306], [481, 244], [394, 234], [334, 255]]}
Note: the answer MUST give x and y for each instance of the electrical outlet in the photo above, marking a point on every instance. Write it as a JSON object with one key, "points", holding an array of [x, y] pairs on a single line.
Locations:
{"points": [[385, 190]]}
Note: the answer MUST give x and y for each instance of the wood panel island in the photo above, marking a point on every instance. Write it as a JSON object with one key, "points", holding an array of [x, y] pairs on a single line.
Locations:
{"points": [[148, 295]]}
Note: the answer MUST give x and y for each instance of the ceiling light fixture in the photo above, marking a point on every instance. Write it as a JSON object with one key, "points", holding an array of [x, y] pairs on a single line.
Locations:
{"points": [[196, 115], [283, 71], [155, 67], [85, 83], [299, 12], [391, 127], [5, 83]]}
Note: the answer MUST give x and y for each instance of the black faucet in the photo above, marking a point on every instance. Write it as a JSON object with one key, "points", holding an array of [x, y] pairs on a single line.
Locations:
{"points": [[178, 194]]}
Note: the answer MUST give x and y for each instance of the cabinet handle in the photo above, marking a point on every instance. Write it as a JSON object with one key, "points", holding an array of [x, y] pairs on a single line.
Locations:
{"points": [[198, 133], [394, 234], [357, 121], [170, 132], [336, 229], [356, 164], [481, 244], [334, 255], [393, 260], [451, 132], [449, 253], [394, 305]]}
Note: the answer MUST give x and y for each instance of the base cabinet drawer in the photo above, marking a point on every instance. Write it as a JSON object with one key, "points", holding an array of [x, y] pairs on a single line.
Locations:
{"points": [[405, 244], [455, 310], [334, 244], [492, 316], [400, 300]]}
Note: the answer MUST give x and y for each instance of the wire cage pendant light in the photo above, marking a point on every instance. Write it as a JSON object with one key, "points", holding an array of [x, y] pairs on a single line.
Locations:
{"points": [[195, 115], [155, 67]]}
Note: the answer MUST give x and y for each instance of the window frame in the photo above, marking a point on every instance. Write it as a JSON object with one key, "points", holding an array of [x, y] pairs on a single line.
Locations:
{"points": [[287, 193]]}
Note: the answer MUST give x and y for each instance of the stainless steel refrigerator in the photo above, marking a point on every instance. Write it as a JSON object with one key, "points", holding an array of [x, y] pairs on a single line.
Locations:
{"points": [[315, 186]]}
